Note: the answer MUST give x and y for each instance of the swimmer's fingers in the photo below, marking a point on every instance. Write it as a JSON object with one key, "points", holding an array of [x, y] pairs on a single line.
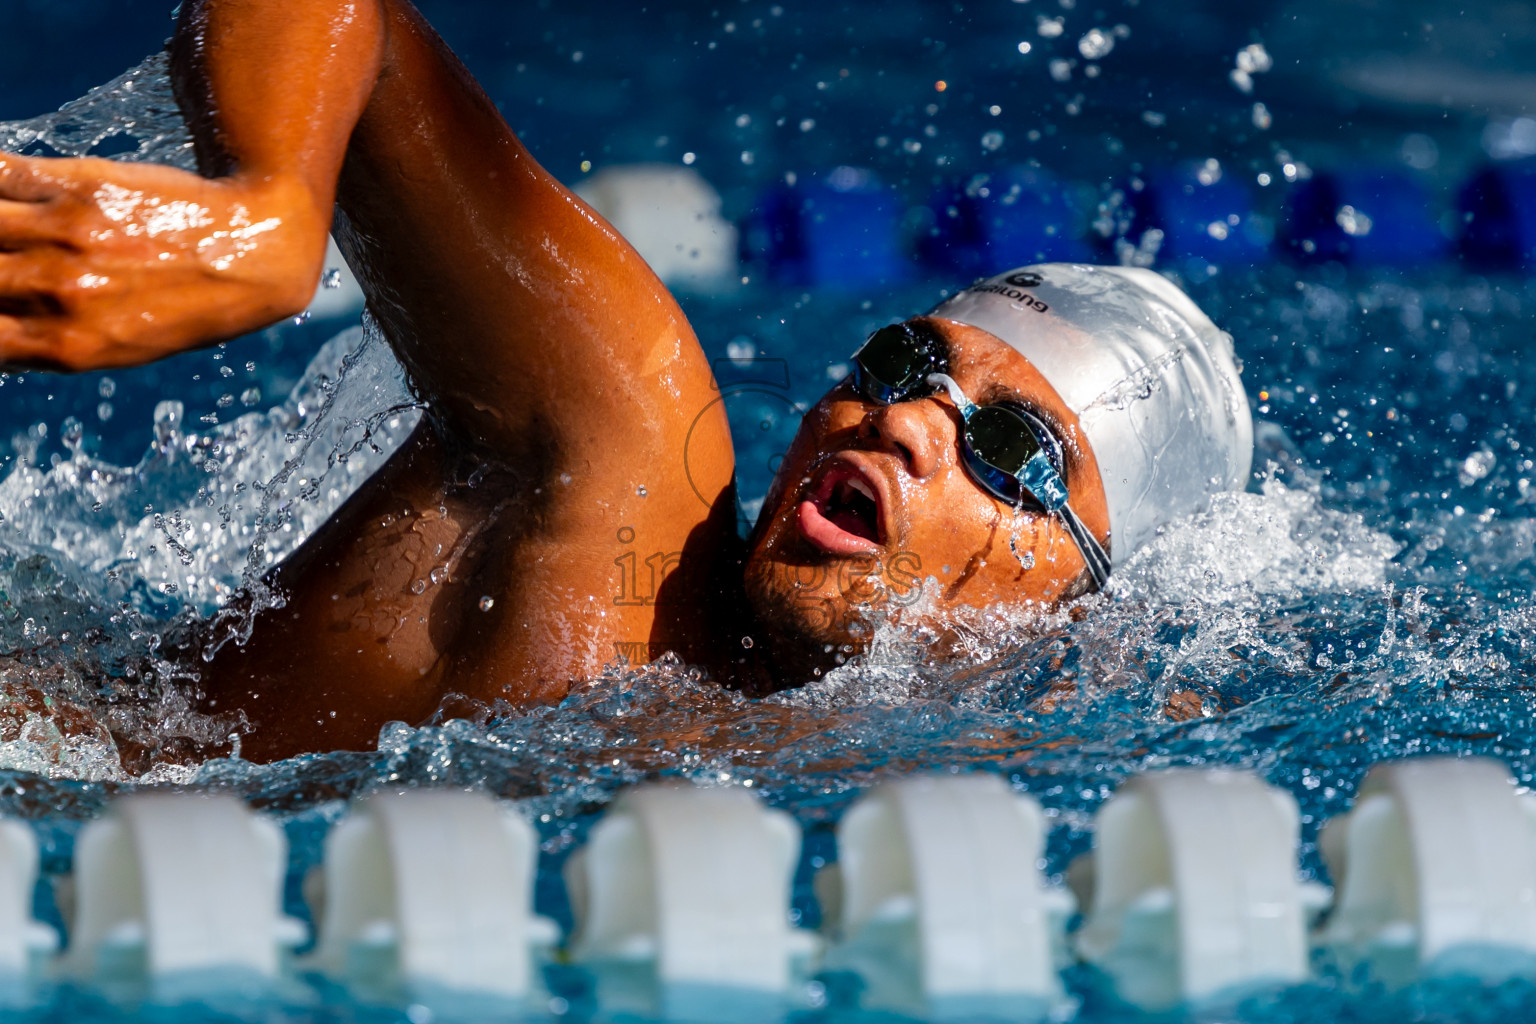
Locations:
{"points": [[25, 277], [28, 214], [24, 179], [23, 225], [37, 294], [20, 349]]}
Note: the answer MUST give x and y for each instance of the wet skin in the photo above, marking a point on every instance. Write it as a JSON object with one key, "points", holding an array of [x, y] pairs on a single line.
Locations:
{"points": [[939, 541], [561, 380]]}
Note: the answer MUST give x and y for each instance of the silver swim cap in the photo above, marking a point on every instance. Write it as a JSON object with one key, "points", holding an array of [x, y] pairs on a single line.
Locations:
{"points": [[1153, 382]]}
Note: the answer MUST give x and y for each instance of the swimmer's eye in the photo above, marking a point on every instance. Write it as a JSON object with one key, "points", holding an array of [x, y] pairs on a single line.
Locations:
{"points": [[895, 362]]}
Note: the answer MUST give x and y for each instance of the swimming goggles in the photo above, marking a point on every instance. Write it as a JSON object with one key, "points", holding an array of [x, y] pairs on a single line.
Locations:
{"points": [[1006, 448]]}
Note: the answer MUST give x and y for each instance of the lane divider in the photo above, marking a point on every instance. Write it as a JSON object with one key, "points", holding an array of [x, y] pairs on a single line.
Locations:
{"points": [[25, 944], [1194, 888], [937, 903], [170, 884], [1437, 870], [681, 897], [682, 892], [431, 890], [844, 229]]}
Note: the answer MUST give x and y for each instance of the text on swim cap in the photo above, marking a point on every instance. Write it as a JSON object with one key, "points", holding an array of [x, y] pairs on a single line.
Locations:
{"points": [[1023, 298]]}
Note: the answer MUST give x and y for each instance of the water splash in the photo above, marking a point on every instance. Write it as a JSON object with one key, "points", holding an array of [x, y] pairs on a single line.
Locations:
{"points": [[100, 564], [134, 117]]}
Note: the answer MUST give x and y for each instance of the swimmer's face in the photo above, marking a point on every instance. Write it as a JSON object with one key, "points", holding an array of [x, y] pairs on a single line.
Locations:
{"points": [[873, 514]]}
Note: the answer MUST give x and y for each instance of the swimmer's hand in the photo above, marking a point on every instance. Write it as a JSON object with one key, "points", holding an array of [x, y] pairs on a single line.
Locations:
{"points": [[106, 264]]}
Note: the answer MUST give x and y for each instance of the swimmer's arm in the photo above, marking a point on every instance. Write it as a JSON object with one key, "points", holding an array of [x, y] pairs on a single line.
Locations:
{"points": [[110, 264], [536, 331]]}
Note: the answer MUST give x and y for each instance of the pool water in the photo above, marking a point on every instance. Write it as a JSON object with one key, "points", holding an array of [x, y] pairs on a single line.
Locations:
{"points": [[1368, 597]]}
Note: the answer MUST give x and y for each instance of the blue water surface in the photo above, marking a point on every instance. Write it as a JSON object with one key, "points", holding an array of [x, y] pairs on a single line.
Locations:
{"points": [[1369, 597]]}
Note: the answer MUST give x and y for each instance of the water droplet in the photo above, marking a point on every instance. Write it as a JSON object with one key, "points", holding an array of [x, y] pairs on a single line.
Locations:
{"points": [[29, 628], [992, 141], [419, 587], [226, 371], [438, 575], [1095, 43], [487, 603], [333, 278], [1254, 59], [106, 387], [250, 396], [641, 490], [72, 433], [167, 419], [302, 319], [1476, 466], [1355, 222], [1026, 559], [746, 642], [104, 411]]}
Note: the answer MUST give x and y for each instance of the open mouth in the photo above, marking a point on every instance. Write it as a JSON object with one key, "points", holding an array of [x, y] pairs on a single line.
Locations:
{"points": [[841, 515]]}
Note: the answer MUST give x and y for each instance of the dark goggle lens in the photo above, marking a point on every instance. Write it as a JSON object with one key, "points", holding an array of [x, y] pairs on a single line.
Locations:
{"points": [[896, 359], [1001, 438]]}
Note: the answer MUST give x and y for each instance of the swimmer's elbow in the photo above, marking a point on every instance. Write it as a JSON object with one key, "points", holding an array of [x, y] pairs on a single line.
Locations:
{"points": [[291, 253], [292, 293]]}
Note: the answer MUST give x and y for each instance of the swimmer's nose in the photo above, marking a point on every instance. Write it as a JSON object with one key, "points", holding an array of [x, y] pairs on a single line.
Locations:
{"points": [[922, 432]]}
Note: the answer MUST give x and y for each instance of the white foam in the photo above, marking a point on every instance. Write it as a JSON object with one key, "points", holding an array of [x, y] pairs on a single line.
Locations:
{"points": [[203, 511], [1281, 542]]}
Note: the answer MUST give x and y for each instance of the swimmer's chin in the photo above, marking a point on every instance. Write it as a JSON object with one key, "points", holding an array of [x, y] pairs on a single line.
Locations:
{"points": [[805, 633]]}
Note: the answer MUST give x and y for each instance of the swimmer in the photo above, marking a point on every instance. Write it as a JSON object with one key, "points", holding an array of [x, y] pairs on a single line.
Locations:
{"points": [[1015, 444]]}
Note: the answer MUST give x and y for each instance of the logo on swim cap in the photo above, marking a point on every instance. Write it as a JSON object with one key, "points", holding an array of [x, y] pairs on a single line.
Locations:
{"points": [[1024, 278]]}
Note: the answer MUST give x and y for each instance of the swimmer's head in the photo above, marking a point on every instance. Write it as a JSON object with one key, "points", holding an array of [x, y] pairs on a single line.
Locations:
{"points": [[874, 511]]}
